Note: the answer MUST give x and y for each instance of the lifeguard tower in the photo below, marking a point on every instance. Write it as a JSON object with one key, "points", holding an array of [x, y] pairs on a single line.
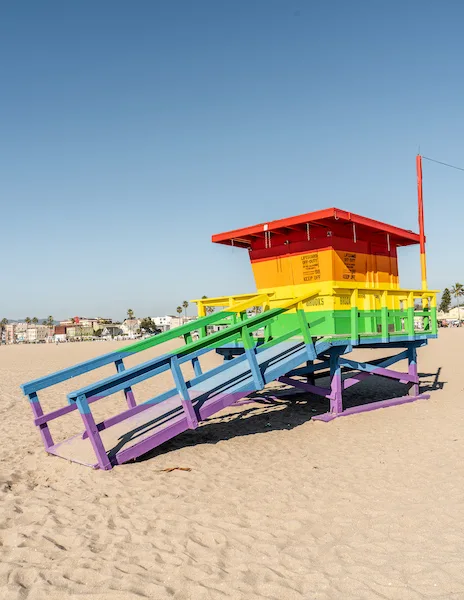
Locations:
{"points": [[327, 283], [350, 265], [345, 267]]}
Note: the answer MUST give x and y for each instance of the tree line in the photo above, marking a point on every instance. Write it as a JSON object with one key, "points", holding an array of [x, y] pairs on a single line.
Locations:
{"points": [[456, 292]]}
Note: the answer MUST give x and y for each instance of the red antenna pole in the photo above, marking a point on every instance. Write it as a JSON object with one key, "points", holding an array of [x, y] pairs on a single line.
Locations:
{"points": [[421, 222]]}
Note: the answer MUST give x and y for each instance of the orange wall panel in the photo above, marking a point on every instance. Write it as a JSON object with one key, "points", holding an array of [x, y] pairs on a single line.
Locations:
{"points": [[325, 265]]}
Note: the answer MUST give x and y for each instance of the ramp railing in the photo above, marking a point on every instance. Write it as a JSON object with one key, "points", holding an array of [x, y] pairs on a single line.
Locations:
{"points": [[241, 332], [117, 356]]}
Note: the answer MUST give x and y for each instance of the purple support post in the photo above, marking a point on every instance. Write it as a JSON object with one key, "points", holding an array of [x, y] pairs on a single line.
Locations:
{"points": [[38, 412], [93, 433], [412, 369], [128, 393], [336, 385]]}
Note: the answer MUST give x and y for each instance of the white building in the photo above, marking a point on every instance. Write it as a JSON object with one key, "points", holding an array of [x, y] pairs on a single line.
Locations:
{"points": [[165, 323], [29, 333], [454, 314], [111, 331], [170, 321], [130, 327]]}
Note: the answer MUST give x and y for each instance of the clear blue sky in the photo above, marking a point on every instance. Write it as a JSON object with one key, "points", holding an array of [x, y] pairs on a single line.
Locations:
{"points": [[132, 131]]}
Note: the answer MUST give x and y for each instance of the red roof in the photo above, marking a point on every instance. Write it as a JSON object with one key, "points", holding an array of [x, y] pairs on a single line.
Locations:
{"points": [[330, 218]]}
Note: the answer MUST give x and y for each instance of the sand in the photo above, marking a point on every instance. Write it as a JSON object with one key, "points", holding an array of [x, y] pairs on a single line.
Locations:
{"points": [[275, 505]]}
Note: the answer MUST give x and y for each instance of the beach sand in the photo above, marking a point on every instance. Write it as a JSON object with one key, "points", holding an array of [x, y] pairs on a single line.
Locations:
{"points": [[275, 505]]}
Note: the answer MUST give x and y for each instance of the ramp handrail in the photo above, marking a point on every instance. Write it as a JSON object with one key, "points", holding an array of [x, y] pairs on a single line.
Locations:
{"points": [[161, 363], [106, 359], [124, 379]]}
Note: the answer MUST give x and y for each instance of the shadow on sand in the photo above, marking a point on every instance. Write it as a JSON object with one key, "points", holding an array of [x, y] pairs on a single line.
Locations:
{"points": [[271, 411]]}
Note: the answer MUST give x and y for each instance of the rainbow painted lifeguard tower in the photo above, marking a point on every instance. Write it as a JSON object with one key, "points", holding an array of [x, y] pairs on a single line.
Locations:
{"points": [[347, 263], [327, 283]]}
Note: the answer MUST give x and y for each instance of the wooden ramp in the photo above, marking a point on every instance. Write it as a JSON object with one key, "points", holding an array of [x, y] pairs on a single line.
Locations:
{"points": [[161, 419], [251, 362]]}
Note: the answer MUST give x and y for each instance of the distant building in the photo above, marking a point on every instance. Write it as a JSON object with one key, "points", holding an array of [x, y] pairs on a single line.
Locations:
{"points": [[163, 323], [111, 330], [9, 333], [27, 333], [79, 331], [454, 314], [86, 321], [170, 321], [59, 333], [130, 327], [38, 333]]}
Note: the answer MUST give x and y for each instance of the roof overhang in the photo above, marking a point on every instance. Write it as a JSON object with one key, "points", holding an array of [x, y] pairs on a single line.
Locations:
{"points": [[323, 218]]}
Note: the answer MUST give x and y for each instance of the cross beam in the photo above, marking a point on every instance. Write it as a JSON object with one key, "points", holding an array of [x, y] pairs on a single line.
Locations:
{"points": [[358, 372]]}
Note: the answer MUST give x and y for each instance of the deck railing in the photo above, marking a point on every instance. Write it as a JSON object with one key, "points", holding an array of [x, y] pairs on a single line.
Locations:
{"points": [[386, 312], [398, 312]]}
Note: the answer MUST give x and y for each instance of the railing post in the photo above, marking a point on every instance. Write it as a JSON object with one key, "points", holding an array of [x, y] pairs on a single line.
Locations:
{"points": [[128, 393], [426, 309], [397, 318], [268, 332], [267, 326], [195, 361], [93, 433], [384, 317], [38, 412], [181, 386], [354, 317], [307, 338], [433, 314], [252, 360], [411, 315]]}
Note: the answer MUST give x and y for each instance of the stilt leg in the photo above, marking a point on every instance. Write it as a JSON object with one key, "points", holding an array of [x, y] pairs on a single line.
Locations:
{"points": [[336, 402], [310, 378], [412, 370]]}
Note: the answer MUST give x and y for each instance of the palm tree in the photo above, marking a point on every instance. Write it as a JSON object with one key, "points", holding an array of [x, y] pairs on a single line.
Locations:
{"points": [[457, 291], [3, 323], [185, 306], [28, 320], [179, 310], [130, 313], [50, 321], [35, 320]]}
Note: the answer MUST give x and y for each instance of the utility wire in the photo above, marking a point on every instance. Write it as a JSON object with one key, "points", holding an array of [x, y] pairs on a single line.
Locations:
{"points": [[443, 163]]}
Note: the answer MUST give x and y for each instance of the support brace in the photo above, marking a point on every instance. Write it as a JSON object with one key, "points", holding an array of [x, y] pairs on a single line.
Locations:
{"points": [[362, 370]]}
